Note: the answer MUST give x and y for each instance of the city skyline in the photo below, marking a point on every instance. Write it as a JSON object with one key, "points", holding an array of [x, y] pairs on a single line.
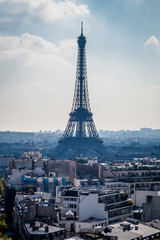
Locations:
{"points": [[38, 62]]}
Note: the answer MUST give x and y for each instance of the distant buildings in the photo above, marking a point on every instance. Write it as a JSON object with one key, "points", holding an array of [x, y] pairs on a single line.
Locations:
{"points": [[120, 145], [4, 163]]}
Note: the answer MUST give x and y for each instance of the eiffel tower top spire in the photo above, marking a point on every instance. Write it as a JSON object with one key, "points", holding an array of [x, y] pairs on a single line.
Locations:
{"points": [[81, 28]]}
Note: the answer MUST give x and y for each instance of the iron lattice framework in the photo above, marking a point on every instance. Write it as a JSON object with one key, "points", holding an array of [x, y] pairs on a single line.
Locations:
{"points": [[80, 135]]}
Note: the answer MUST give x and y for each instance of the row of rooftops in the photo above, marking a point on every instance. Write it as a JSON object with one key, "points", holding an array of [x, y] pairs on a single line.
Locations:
{"points": [[24, 201], [72, 191], [130, 229], [86, 187]]}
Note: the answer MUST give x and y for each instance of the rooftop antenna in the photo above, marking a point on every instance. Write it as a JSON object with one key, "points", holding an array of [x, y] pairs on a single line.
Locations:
{"points": [[81, 28]]}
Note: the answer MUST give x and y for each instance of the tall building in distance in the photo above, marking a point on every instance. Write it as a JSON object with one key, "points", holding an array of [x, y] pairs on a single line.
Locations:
{"points": [[80, 137]]}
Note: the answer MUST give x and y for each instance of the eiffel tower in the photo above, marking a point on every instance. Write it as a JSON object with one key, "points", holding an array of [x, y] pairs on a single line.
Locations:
{"points": [[80, 137]]}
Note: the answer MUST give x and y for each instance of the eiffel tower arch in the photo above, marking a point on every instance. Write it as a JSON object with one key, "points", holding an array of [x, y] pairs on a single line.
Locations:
{"points": [[80, 136]]}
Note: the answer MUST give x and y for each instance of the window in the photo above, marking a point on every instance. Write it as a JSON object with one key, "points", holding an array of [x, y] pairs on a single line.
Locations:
{"points": [[72, 205], [66, 205], [63, 225], [65, 199]]}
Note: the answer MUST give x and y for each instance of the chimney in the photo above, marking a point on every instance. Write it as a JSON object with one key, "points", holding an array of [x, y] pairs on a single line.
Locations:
{"points": [[32, 224], [33, 164], [46, 229], [136, 227]]}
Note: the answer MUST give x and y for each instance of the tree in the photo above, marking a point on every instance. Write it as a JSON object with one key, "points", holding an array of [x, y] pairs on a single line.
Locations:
{"points": [[3, 217], [4, 237], [3, 227], [2, 187]]}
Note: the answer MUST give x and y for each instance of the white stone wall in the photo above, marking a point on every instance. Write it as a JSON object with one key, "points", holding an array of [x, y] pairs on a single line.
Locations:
{"points": [[77, 182], [89, 225], [139, 197], [89, 207]]}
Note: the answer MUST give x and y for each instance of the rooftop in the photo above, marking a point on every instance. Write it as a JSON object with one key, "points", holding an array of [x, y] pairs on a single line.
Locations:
{"points": [[42, 228], [135, 231]]}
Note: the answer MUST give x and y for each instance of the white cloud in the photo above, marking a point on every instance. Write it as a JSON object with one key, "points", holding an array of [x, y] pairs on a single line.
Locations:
{"points": [[26, 56], [152, 41], [48, 10], [26, 41], [5, 20], [35, 74], [34, 44]]}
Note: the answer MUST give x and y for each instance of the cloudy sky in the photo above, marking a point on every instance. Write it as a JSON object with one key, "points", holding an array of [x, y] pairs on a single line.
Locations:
{"points": [[38, 52]]}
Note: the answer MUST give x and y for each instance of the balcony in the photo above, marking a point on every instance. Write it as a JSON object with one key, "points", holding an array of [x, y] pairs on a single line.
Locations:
{"points": [[113, 199], [119, 205]]}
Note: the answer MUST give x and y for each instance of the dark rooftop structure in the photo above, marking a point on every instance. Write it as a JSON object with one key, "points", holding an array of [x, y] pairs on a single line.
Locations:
{"points": [[71, 193], [40, 230]]}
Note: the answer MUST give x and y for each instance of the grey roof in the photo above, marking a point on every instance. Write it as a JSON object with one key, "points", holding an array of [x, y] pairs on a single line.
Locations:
{"points": [[41, 229], [142, 231]]}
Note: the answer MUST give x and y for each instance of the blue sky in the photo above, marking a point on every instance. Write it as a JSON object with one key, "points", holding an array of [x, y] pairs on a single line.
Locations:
{"points": [[38, 52]]}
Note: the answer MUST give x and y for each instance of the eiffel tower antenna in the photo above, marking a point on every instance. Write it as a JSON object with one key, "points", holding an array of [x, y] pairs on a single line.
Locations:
{"points": [[81, 28], [80, 136]]}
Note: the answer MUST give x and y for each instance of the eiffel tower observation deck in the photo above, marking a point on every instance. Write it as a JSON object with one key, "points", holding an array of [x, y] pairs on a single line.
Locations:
{"points": [[80, 137]]}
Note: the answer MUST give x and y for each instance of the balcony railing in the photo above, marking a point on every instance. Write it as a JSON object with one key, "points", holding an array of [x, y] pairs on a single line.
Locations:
{"points": [[118, 205]]}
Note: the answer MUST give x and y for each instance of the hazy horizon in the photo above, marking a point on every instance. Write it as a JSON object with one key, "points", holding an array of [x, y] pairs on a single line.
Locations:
{"points": [[63, 130]]}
